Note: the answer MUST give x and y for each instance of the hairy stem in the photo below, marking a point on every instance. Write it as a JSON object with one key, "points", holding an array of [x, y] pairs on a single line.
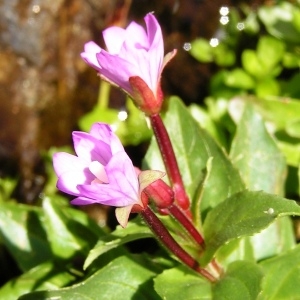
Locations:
{"points": [[170, 161], [169, 242], [176, 212]]}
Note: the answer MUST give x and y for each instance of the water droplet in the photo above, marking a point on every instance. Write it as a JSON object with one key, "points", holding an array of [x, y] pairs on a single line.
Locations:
{"points": [[187, 46], [240, 26], [224, 20], [270, 211], [224, 11], [36, 9], [122, 115], [214, 42]]}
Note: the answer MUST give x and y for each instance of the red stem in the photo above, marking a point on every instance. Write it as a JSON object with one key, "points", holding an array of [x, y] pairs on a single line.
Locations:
{"points": [[169, 242], [187, 224], [170, 161]]}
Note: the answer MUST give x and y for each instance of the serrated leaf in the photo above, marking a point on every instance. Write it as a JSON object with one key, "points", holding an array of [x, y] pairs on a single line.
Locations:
{"points": [[44, 276], [282, 275], [257, 156], [243, 214], [180, 283], [242, 280], [123, 278], [23, 232], [135, 230]]}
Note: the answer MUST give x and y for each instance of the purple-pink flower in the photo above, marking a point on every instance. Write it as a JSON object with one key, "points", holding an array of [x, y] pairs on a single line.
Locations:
{"points": [[131, 53], [101, 172]]}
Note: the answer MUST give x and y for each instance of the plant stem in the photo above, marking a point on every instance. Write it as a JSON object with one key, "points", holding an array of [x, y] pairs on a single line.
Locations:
{"points": [[187, 224], [170, 161], [169, 242]]}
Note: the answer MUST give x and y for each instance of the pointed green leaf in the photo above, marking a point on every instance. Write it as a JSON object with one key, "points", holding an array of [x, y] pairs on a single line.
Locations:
{"points": [[123, 278], [181, 283], [256, 155], [243, 214]]}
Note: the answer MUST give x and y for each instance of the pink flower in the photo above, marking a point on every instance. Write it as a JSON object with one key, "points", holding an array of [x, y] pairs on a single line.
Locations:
{"points": [[135, 54], [100, 172]]}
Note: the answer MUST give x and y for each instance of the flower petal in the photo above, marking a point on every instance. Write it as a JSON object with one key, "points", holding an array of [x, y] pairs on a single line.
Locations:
{"points": [[71, 171], [89, 54], [104, 132], [114, 38], [90, 148], [122, 189], [117, 69]]}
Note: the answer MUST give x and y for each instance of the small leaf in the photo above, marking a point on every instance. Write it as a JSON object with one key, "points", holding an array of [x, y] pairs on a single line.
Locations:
{"points": [[123, 278], [238, 78], [243, 214], [242, 280], [252, 65], [201, 50], [267, 87], [270, 51], [180, 283]]}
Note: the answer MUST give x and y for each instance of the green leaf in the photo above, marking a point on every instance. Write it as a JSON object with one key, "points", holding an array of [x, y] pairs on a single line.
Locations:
{"points": [[181, 283], [23, 232], [242, 280], [243, 214], [193, 147], [223, 55], [205, 121], [66, 235], [123, 278], [201, 50], [238, 78], [279, 21], [135, 230], [267, 87], [282, 275], [270, 51], [252, 64], [44, 276], [256, 155], [279, 111]]}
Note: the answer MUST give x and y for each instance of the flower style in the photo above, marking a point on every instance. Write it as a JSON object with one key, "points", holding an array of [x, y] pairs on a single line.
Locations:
{"points": [[134, 61], [101, 172]]}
